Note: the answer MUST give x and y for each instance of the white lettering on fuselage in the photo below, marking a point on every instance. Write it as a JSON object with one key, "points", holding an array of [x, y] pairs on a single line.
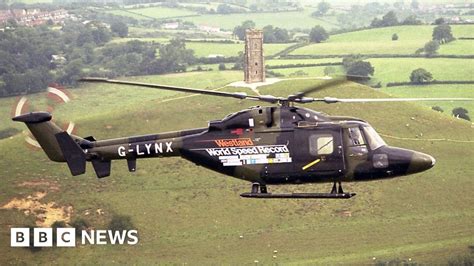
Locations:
{"points": [[146, 149], [264, 154], [247, 150]]}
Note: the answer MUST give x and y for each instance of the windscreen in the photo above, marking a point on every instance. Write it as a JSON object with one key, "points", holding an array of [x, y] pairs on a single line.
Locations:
{"points": [[373, 138]]}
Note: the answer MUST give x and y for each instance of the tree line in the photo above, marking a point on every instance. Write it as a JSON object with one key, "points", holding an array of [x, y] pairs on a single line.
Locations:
{"points": [[30, 58]]}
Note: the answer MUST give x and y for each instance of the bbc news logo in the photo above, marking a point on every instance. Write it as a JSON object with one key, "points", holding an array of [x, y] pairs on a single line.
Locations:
{"points": [[66, 237]]}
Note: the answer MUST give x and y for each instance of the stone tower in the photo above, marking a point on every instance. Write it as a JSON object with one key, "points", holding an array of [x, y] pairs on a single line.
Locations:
{"points": [[254, 66]]}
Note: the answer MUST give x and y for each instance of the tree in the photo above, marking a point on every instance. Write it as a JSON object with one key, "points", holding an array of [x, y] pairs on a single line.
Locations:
{"points": [[415, 4], [224, 9], [431, 48], [174, 57], [347, 61], [439, 21], [275, 35], [72, 72], [222, 66], [323, 8], [389, 19], [239, 31], [420, 75], [411, 20], [442, 33], [394, 37], [461, 112], [360, 69], [318, 34], [240, 61], [120, 28]]}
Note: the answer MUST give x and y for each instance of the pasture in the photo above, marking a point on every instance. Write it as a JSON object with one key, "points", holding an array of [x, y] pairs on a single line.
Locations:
{"points": [[379, 41], [152, 12], [460, 91], [204, 49], [399, 69], [287, 20]]}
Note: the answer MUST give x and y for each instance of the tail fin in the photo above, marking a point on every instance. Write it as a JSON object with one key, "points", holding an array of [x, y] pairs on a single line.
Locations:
{"points": [[58, 145]]}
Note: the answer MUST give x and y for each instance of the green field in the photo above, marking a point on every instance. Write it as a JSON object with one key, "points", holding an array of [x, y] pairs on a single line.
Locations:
{"points": [[158, 40], [389, 70], [204, 49], [458, 47], [317, 71], [379, 41], [287, 20], [437, 91], [279, 62], [125, 97], [187, 214], [152, 12]]}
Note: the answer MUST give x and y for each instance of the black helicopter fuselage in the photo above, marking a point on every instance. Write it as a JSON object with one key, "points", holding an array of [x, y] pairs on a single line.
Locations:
{"points": [[281, 145]]}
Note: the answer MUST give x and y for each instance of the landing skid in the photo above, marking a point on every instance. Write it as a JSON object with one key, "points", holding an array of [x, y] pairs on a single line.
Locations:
{"points": [[336, 193]]}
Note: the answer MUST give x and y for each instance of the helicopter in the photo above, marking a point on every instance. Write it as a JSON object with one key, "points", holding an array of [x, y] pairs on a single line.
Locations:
{"points": [[271, 145]]}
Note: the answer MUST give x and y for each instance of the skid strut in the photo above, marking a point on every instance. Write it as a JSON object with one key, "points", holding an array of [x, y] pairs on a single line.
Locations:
{"points": [[260, 191]]}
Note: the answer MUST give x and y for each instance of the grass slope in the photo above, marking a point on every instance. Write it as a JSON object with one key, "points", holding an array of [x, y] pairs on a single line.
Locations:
{"points": [[287, 20], [437, 91], [379, 41], [204, 49], [152, 12], [187, 214], [390, 70], [115, 100]]}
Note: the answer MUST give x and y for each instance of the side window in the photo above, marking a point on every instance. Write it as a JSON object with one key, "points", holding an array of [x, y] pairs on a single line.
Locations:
{"points": [[321, 144], [357, 144], [355, 136]]}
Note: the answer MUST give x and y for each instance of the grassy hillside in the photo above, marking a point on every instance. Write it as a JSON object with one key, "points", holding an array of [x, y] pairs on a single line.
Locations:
{"points": [[317, 71], [287, 20], [389, 70], [204, 49], [187, 214], [117, 100], [152, 12], [379, 41], [438, 91]]}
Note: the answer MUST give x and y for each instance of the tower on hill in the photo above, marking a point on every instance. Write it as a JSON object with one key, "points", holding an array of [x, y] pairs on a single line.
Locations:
{"points": [[254, 67]]}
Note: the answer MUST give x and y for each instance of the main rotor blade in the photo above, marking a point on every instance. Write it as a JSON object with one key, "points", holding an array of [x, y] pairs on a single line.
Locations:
{"points": [[337, 100], [238, 95], [327, 84]]}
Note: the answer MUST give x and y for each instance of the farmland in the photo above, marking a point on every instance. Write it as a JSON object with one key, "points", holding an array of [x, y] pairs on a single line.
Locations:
{"points": [[437, 91], [152, 13], [379, 41], [286, 20], [204, 49], [389, 70]]}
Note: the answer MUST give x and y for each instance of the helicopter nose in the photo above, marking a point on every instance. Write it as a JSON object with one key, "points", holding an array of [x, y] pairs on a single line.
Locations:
{"points": [[420, 162]]}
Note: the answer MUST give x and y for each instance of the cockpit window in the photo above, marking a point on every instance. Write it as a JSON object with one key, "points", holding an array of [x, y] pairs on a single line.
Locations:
{"points": [[356, 136], [373, 138]]}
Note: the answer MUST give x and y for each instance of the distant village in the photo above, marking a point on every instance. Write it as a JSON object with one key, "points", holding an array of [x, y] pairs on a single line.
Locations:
{"points": [[33, 17]]}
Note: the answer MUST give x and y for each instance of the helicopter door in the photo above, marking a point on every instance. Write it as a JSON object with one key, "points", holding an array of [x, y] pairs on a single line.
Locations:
{"points": [[319, 151]]}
